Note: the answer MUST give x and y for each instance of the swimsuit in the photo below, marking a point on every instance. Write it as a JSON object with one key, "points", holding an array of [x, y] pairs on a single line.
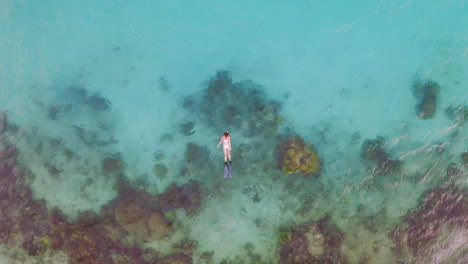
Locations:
{"points": [[226, 143]]}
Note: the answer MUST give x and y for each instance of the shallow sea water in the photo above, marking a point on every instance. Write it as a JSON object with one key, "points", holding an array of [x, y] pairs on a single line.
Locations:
{"points": [[110, 113]]}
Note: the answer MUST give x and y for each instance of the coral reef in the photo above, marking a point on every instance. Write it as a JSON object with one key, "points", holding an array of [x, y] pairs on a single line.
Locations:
{"points": [[458, 114], [98, 103], [159, 155], [186, 246], [464, 158], [186, 128], [440, 210], [90, 138], [427, 93], [81, 96], [187, 196], [295, 156], [76, 93], [284, 237], [113, 164], [178, 258], [207, 256], [373, 150], [3, 121], [82, 244], [196, 154], [160, 170], [453, 171], [23, 220], [136, 212], [55, 112], [318, 242], [131, 215], [159, 225], [27, 224], [163, 83], [241, 106], [111, 236]]}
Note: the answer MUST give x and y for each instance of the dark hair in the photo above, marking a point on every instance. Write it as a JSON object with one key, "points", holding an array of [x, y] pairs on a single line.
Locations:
{"points": [[226, 133]]}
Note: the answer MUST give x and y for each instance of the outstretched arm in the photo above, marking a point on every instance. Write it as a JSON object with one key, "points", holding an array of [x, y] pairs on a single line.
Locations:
{"points": [[219, 143]]}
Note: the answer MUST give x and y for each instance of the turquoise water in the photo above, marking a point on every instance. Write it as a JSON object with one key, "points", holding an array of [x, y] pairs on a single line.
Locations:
{"points": [[109, 104]]}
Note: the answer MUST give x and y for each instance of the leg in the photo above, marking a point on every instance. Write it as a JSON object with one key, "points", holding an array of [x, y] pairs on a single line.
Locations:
{"points": [[229, 154], [225, 154]]}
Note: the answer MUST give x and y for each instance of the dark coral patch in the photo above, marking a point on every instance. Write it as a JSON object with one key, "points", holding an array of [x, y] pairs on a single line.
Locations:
{"points": [[240, 106], [136, 212], [186, 128], [178, 258], [464, 158], [373, 150], [440, 207], [219, 83], [197, 154], [98, 103], [76, 93], [426, 92], [113, 164], [160, 170], [458, 114], [187, 196], [3, 121], [296, 251], [318, 242], [57, 111]]}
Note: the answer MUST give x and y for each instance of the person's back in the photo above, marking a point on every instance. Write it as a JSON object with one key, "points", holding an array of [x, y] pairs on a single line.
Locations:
{"points": [[226, 141]]}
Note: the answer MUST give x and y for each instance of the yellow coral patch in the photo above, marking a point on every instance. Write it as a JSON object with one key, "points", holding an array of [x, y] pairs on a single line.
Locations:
{"points": [[299, 157], [284, 237], [46, 240]]}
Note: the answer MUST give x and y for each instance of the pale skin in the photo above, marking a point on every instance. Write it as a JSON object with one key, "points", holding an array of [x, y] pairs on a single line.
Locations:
{"points": [[226, 141]]}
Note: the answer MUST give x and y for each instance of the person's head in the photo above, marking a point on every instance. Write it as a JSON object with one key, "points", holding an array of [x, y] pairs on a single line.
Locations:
{"points": [[226, 133]]}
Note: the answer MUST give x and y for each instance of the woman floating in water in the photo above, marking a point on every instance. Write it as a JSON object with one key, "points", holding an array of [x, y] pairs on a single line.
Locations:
{"points": [[226, 140]]}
